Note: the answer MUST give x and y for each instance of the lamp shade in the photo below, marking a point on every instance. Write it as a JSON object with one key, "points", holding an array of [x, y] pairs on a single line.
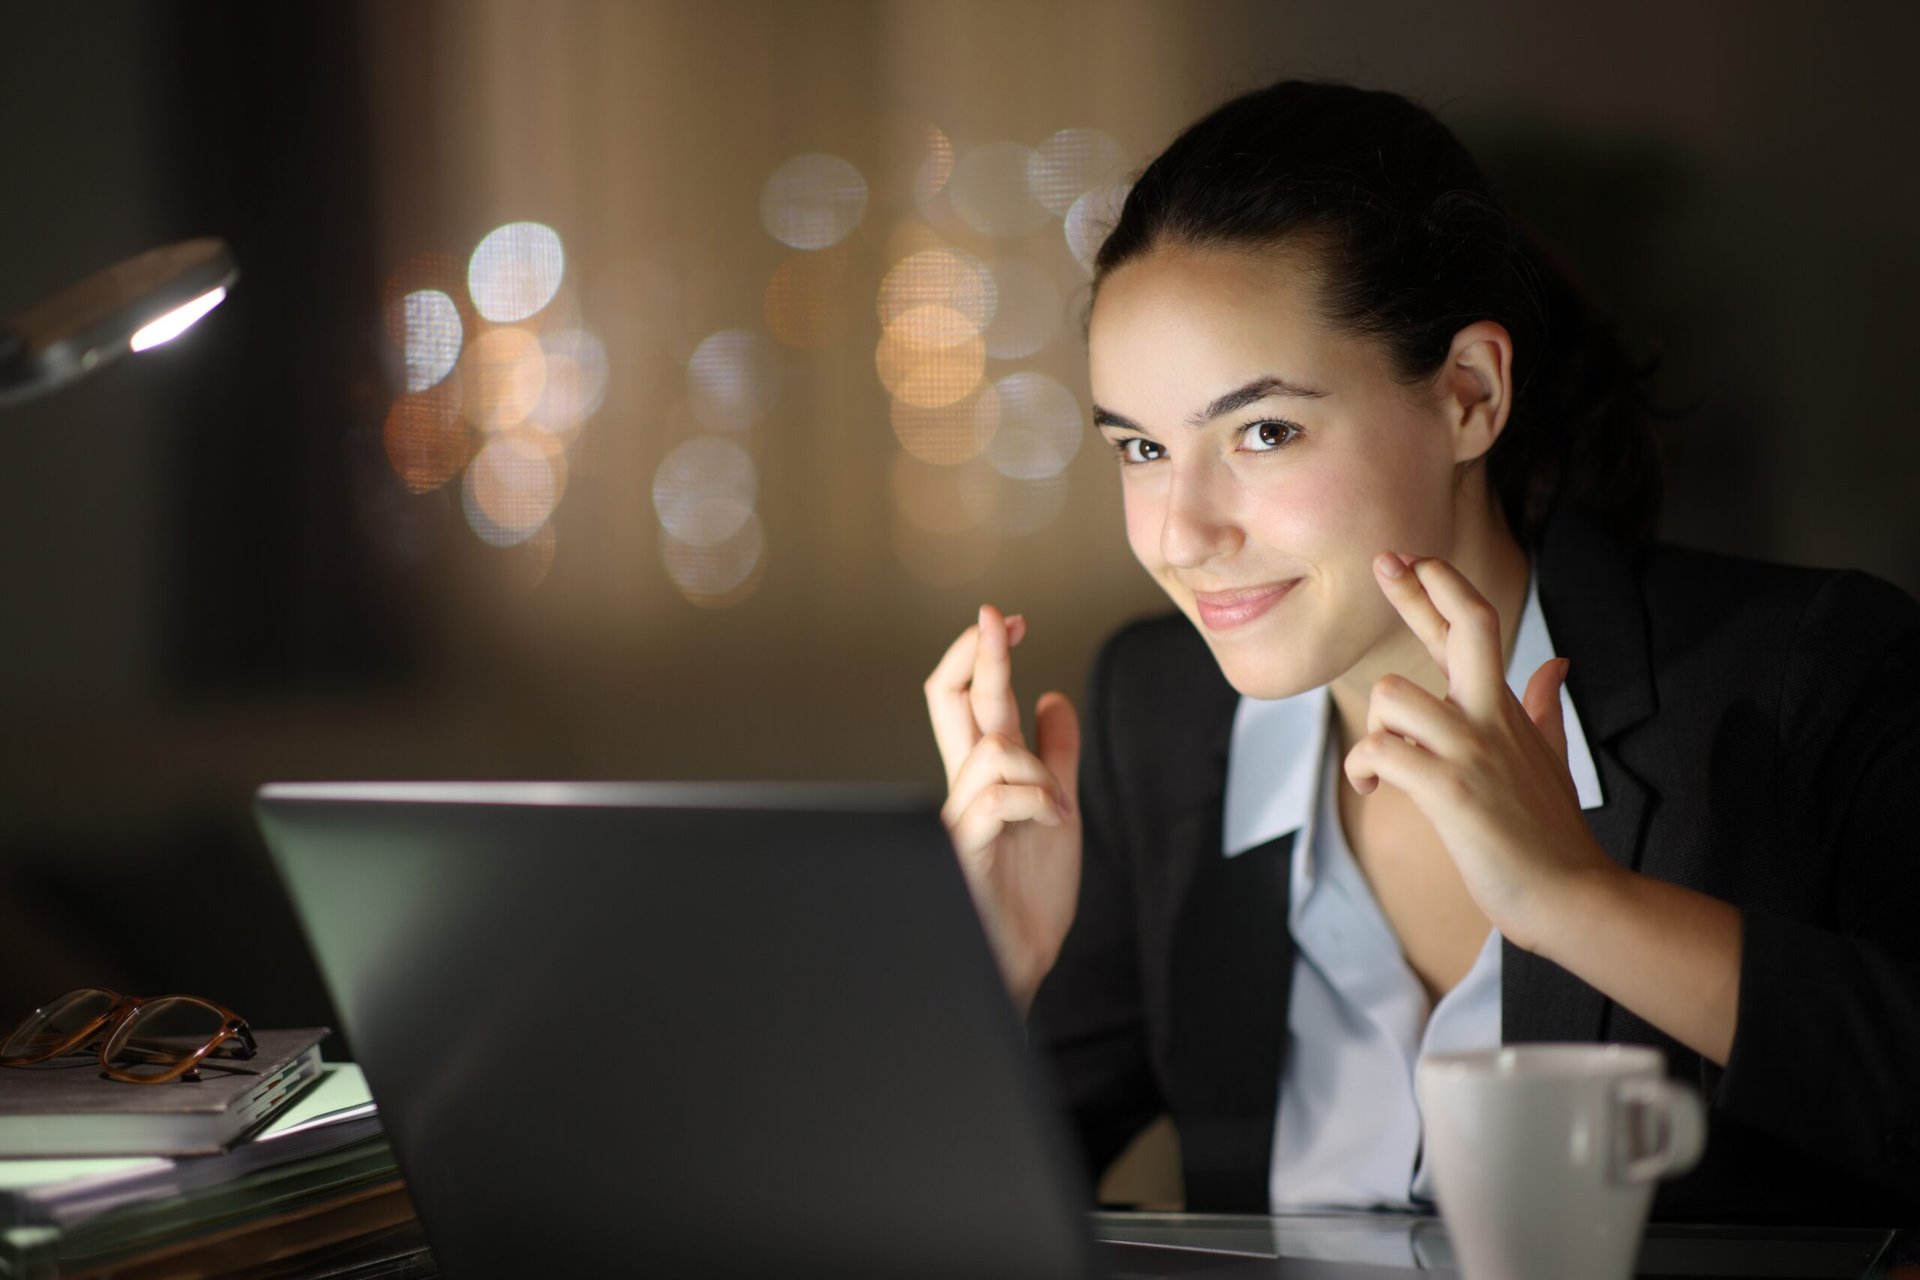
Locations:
{"points": [[131, 305]]}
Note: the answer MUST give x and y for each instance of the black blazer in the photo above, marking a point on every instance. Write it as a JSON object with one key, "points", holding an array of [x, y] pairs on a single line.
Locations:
{"points": [[1757, 733]]}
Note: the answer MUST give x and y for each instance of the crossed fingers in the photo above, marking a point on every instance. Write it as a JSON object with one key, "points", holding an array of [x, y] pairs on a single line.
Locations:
{"points": [[1460, 629], [970, 693], [1411, 732]]}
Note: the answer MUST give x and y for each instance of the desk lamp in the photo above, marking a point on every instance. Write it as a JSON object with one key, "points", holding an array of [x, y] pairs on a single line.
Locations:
{"points": [[132, 305]]}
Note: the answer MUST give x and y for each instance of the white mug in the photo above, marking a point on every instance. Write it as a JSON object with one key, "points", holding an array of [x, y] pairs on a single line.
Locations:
{"points": [[1544, 1155]]}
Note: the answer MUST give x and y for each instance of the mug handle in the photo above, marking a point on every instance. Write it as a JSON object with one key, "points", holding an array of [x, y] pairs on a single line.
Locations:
{"points": [[1681, 1121]]}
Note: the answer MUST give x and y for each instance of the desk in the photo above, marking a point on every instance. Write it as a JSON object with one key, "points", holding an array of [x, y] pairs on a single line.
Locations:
{"points": [[1390, 1246], [329, 1204], [1306, 1247]]}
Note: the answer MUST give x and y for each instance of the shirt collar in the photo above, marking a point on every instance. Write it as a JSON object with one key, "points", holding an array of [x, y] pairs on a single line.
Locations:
{"points": [[1273, 759]]}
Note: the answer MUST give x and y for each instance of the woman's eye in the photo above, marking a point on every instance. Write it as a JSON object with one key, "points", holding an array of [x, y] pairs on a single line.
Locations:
{"points": [[1139, 449], [1265, 437]]}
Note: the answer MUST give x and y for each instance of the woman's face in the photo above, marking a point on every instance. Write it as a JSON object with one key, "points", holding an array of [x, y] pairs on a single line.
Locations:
{"points": [[1265, 461]]}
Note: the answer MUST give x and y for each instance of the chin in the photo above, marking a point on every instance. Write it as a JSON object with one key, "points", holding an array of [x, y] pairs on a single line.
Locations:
{"points": [[1259, 665], [1260, 675], [1266, 685]]}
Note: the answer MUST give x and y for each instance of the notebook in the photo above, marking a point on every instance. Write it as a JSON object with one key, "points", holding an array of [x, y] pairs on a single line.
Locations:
{"points": [[65, 1107]]}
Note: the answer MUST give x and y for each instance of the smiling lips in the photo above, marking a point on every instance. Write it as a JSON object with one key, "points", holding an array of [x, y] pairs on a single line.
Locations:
{"points": [[1225, 610]]}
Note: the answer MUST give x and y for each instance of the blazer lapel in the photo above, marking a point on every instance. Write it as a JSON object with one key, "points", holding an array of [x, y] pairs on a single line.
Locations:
{"points": [[1594, 611], [1229, 974]]}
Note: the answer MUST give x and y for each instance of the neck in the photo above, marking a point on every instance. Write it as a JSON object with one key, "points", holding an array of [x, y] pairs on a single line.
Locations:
{"points": [[1493, 560]]}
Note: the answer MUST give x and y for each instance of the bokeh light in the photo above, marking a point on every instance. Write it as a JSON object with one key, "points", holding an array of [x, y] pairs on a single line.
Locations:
{"points": [[953, 432], [527, 389], [538, 554], [936, 165], [990, 192], [721, 573], [933, 327], [439, 271], [574, 363], [1007, 507], [510, 490], [1091, 219], [1071, 163], [910, 236], [813, 201], [704, 491], [530, 439], [949, 434], [430, 321], [515, 271], [934, 210], [939, 278], [1029, 312], [425, 439], [513, 359], [503, 377], [706, 286], [1040, 427], [804, 303], [931, 356], [733, 379]]}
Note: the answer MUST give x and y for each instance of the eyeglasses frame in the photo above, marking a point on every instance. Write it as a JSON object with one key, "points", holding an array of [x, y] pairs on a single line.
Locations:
{"points": [[123, 1010]]}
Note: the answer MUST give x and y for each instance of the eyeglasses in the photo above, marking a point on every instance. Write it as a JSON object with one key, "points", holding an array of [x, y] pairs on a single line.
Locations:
{"points": [[143, 1039]]}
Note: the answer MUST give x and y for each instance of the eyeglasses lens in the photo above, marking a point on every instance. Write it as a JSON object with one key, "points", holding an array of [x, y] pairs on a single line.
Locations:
{"points": [[57, 1022], [161, 1034]]}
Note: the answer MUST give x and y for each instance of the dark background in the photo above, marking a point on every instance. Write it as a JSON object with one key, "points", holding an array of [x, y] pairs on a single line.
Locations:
{"points": [[211, 579]]}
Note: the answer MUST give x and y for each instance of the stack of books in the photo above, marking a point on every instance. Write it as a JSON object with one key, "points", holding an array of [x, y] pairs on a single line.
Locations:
{"points": [[67, 1107], [243, 1173]]}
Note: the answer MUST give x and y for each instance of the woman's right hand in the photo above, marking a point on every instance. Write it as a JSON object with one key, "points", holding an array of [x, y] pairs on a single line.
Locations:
{"points": [[1013, 813]]}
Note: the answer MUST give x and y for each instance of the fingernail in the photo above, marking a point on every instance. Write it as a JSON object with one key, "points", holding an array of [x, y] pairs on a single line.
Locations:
{"points": [[1389, 565], [1406, 559]]}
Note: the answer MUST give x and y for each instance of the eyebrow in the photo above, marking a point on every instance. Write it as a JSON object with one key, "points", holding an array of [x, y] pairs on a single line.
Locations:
{"points": [[1239, 398]]}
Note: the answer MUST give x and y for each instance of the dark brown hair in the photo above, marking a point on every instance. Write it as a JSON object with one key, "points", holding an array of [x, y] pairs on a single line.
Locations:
{"points": [[1412, 244]]}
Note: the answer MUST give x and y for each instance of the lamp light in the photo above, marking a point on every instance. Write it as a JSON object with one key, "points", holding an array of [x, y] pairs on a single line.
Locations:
{"points": [[132, 305]]}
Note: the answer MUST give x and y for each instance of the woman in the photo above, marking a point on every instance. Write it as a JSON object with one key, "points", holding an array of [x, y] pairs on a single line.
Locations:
{"points": [[1442, 753]]}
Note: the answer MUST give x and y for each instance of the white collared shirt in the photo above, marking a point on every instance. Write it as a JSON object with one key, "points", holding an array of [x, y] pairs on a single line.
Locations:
{"points": [[1347, 1132]]}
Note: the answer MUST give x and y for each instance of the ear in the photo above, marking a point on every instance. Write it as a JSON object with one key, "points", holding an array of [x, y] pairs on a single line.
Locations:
{"points": [[1475, 387]]}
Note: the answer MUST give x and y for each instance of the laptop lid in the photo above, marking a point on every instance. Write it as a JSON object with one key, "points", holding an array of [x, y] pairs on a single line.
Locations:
{"points": [[681, 1028]]}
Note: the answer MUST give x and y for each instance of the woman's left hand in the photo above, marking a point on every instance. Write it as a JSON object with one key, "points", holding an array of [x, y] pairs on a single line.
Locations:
{"points": [[1489, 771]]}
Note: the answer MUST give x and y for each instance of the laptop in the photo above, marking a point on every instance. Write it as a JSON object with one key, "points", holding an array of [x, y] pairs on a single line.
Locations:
{"points": [[682, 1029]]}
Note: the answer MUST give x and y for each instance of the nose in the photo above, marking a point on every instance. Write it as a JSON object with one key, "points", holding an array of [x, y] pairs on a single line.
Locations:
{"points": [[1201, 522]]}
